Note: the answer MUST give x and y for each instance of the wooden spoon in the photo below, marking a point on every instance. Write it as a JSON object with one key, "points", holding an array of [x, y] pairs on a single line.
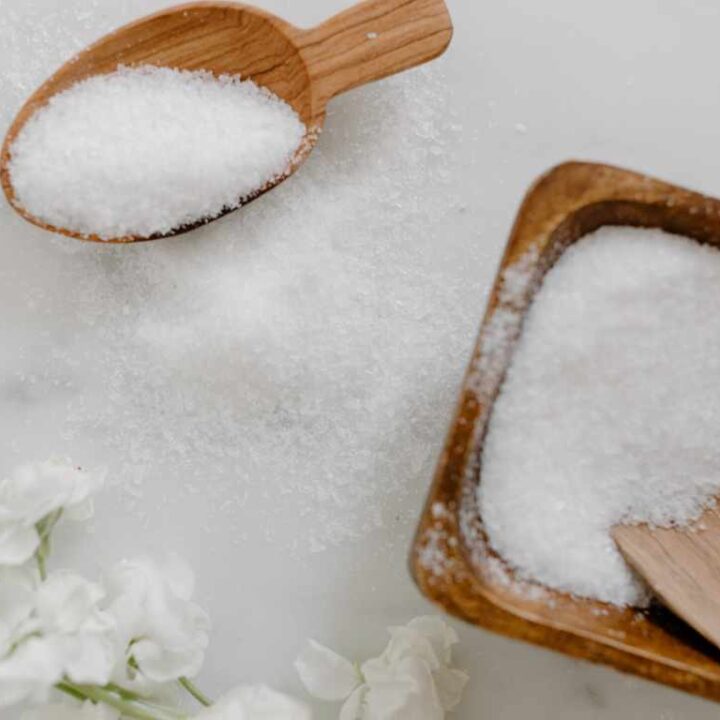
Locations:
{"points": [[306, 68], [682, 566]]}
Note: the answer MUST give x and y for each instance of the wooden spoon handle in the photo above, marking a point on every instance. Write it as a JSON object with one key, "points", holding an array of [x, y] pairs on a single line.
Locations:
{"points": [[372, 40]]}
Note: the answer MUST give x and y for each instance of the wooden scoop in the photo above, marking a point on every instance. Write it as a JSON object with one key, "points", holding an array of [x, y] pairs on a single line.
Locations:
{"points": [[682, 566], [306, 68]]}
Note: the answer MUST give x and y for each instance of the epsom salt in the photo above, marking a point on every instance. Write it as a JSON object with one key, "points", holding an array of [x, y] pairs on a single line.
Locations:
{"points": [[609, 412], [148, 150]]}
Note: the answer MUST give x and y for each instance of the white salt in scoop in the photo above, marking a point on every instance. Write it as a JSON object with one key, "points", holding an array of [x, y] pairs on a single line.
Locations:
{"points": [[148, 150], [307, 67], [609, 412]]}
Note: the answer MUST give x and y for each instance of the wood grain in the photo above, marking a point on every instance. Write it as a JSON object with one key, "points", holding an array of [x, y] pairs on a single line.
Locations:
{"points": [[373, 40], [307, 68], [568, 202], [682, 566]]}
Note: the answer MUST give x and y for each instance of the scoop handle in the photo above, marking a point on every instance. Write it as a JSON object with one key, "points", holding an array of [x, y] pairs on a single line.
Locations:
{"points": [[372, 40]]}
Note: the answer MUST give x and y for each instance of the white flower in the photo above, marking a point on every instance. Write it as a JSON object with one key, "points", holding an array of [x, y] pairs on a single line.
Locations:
{"points": [[159, 628], [67, 711], [255, 702], [35, 491], [73, 626], [51, 633], [411, 680]]}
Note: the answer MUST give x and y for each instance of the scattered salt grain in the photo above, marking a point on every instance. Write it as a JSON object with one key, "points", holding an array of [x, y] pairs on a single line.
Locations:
{"points": [[147, 150], [609, 411]]}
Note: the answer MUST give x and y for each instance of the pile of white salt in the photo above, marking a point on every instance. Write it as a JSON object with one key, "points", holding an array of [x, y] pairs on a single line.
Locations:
{"points": [[147, 150], [609, 412]]}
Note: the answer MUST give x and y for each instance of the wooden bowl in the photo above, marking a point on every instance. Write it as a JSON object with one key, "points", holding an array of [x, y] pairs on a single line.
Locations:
{"points": [[450, 559]]}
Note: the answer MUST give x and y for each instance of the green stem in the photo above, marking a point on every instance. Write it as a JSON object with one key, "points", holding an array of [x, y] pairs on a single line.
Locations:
{"points": [[125, 707], [47, 524], [125, 694], [44, 529], [71, 691], [41, 564], [195, 691], [359, 673]]}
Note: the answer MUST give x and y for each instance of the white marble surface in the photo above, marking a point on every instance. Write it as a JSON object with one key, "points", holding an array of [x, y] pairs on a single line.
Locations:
{"points": [[270, 393]]}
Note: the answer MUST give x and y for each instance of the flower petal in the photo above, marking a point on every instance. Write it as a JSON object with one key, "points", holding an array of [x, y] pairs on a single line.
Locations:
{"points": [[81, 512], [88, 658], [408, 694], [253, 702], [450, 684], [352, 707], [325, 674], [406, 642], [37, 489], [32, 669], [16, 604], [163, 664], [440, 635], [67, 601], [18, 543]]}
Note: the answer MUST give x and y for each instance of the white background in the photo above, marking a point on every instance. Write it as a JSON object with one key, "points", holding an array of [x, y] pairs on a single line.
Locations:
{"points": [[269, 394]]}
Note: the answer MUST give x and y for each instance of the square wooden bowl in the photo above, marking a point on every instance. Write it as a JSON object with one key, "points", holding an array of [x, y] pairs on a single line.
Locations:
{"points": [[450, 559]]}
